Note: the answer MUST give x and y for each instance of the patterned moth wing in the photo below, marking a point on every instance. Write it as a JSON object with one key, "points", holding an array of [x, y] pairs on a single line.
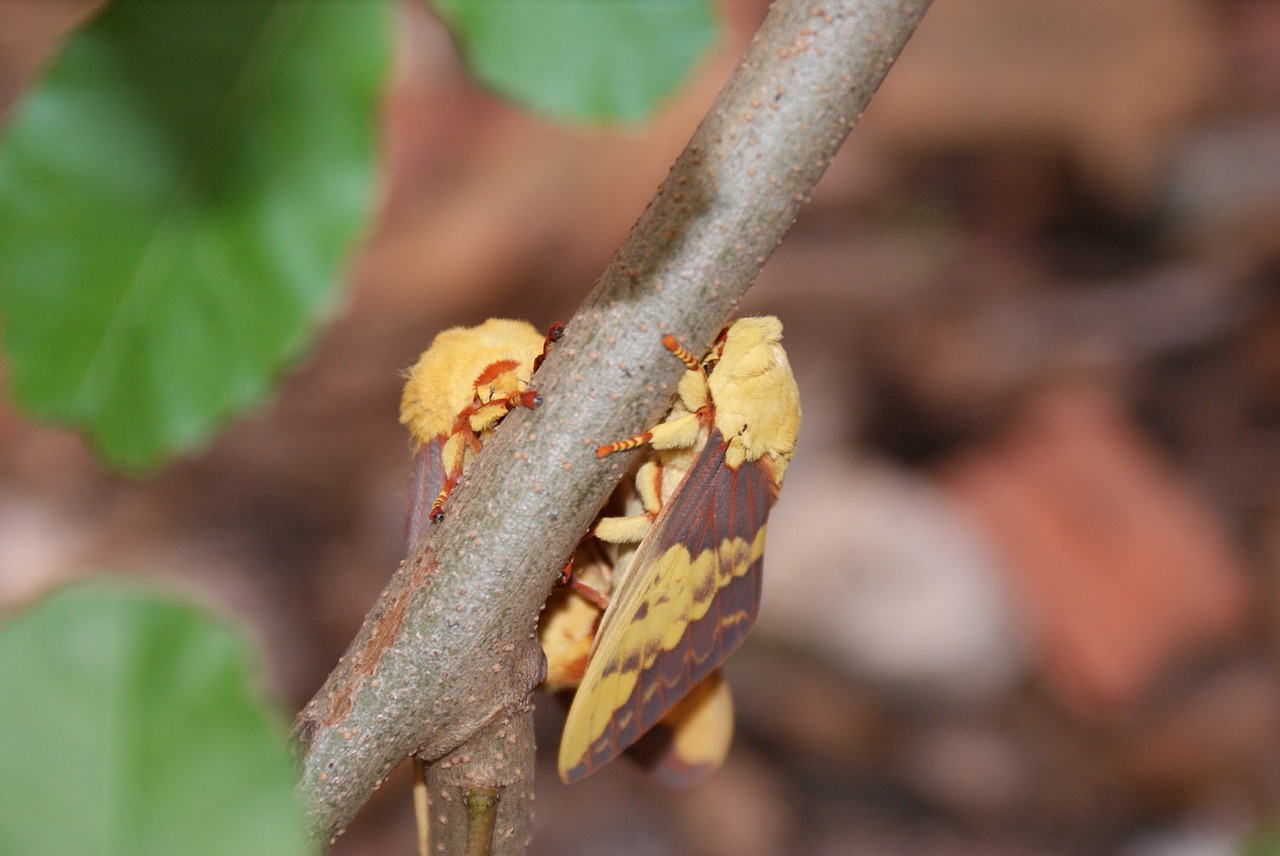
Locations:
{"points": [[689, 596], [692, 739]]}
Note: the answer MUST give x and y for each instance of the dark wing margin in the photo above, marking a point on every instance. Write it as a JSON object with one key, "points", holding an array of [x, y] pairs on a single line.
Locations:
{"points": [[713, 506], [689, 743]]}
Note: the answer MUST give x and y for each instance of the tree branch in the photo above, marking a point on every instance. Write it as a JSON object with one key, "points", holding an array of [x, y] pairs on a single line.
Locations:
{"points": [[481, 794], [450, 648]]}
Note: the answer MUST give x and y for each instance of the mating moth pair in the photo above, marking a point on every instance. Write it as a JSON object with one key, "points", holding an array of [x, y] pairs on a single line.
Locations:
{"points": [[679, 569]]}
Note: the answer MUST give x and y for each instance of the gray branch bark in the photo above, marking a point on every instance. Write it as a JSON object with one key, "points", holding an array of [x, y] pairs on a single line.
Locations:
{"points": [[450, 649], [481, 794]]}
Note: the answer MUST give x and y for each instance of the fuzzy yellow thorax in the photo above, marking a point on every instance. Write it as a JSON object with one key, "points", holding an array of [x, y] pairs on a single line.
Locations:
{"points": [[446, 380], [755, 395]]}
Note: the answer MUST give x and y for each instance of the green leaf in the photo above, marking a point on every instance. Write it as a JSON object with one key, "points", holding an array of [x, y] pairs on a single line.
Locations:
{"points": [[132, 724], [610, 60], [177, 194]]}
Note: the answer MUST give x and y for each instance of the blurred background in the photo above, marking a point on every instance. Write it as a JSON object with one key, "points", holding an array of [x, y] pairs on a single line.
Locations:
{"points": [[1024, 580]]}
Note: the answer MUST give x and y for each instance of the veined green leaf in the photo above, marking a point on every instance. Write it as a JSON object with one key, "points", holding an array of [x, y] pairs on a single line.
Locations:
{"points": [[177, 195]]}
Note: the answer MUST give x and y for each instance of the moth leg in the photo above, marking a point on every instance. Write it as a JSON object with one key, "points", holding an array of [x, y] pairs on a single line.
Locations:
{"points": [[584, 543], [553, 335], [487, 415], [593, 596], [471, 423], [680, 432], [473, 444], [623, 530], [529, 398], [590, 594], [623, 445], [455, 458], [683, 354], [648, 484], [693, 390], [631, 528], [437, 508]]}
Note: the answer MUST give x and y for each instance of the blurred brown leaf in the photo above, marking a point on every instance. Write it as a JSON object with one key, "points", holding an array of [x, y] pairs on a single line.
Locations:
{"points": [[1122, 568], [1102, 81]]}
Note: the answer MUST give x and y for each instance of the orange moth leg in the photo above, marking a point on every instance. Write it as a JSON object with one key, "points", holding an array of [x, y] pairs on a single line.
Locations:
{"points": [[554, 333], [623, 445], [631, 529], [677, 431]]}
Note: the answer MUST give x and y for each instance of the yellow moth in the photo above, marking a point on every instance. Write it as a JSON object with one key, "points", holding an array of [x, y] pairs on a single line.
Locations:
{"points": [[689, 594], [457, 392]]}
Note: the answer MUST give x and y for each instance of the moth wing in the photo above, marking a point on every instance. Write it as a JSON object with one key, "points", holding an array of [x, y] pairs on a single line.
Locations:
{"points": [[692, 740], [425, 482], [686, 602]]}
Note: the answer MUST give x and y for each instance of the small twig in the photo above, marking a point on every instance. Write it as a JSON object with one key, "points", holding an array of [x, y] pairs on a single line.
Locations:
{"points": [[482, 814], [495, 766], [450, 647], [421, 806]]}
